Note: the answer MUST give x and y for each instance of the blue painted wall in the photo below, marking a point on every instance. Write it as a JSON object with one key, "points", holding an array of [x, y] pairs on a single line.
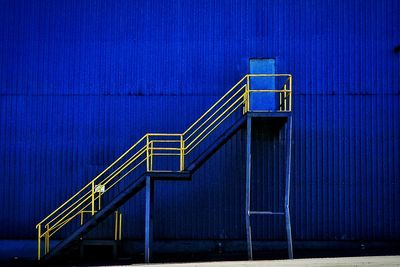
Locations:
{"points": [[80, 81]]}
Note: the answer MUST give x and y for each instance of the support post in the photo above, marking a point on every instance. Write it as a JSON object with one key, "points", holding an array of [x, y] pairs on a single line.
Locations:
{"points": [[116, 226], [47, 240], [248, 184], [39, 240], [287, 188], [149, 218], [120, 227]]}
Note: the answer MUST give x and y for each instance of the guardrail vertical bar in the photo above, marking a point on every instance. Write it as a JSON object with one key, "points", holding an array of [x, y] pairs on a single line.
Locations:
{"points": [[120, 227], [39, 227], [147, 154], [284, 97], [291, 93], [245, 100], [248, 93], [248, 183], [47, 240], [93, 198], [116, 226], [151, 152], [182, 155]]}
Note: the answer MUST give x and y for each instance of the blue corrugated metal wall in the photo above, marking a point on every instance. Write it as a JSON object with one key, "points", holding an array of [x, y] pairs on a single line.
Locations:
{"points": [[81, 80]]}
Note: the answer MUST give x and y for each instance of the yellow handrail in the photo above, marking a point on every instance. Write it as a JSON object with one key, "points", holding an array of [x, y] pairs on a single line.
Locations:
{"points": [[215, 112], [157, 145], [94, 179], [216, 103], [214, 121], [116, 172]]}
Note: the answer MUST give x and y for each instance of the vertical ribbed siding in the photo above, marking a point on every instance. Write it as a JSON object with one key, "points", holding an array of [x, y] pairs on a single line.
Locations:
{"points": [[80, 81]]}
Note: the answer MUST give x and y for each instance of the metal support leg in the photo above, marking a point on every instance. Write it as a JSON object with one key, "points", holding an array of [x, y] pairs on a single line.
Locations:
{"points": [[248, 183], [287, 189], [149, 218]]}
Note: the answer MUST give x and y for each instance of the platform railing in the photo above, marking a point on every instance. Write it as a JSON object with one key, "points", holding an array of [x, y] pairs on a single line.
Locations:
{"points": [[143, 155], [236, 97]]}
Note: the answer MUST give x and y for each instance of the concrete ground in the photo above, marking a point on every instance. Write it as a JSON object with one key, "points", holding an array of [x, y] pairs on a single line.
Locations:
{"points": [[347, 261]]}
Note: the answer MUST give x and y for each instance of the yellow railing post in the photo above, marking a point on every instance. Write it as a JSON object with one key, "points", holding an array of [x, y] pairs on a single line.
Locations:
{"points": [[116, 226], [151, 153], [248, 93], [120, 227], [82, 217], [47, 240], [39, 227], [245, 100], [93, 198], [182, 154], [284, 98], [147, 154], [290, 93]]}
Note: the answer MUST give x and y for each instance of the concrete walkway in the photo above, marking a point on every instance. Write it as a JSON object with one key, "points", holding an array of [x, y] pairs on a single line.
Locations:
{"points": [[348, 261]]}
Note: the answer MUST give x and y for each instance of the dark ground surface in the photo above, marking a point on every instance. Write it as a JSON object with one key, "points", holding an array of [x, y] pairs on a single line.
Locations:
{"points": [[221, 252]]}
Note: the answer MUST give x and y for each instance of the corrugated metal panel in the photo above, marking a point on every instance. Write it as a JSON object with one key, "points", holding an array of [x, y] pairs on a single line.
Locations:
{"points": [[81, 80]]}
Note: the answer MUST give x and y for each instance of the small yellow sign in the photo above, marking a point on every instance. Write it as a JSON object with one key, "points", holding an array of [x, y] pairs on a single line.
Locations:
{"points": [[100, 188]]}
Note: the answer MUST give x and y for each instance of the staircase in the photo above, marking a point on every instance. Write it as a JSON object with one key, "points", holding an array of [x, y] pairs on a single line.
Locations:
{"points": [[162, 156]]}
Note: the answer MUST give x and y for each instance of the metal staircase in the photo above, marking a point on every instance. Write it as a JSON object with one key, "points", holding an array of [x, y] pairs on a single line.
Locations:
{"points": [[170, 156]]}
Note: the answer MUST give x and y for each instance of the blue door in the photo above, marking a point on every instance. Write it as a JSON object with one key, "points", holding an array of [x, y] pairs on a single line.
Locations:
{"points": [[262, 101]]}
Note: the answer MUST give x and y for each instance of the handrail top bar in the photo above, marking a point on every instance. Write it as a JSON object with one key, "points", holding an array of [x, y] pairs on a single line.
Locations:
{"points": [[164, 134], [270, 90], [164, 141], [269, 75]]}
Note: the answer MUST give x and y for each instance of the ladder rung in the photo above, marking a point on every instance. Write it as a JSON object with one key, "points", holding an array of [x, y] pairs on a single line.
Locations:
{"points": [[265, 213]]}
